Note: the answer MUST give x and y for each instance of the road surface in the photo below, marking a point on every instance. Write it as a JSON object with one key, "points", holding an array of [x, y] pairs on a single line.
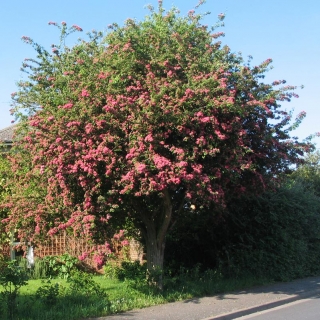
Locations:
{"points": [[238, 304], [305, 309]]}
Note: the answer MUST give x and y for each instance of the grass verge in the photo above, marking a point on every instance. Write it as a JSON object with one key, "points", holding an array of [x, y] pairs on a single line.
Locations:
{"points": [[121, 296]]}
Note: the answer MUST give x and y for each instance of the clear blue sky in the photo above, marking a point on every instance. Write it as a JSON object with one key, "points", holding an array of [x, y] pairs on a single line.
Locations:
{"points": [[286, 31]]}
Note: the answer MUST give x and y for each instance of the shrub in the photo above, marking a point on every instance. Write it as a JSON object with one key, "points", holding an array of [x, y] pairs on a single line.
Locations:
{"points": [[48, 293], [132, 271], [12, 278], [61, 266], [82, 283]]}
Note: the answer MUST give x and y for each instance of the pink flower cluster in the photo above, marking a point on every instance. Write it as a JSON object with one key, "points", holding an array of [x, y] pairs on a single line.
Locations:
{"points": [[85, 93], [77, 27]]}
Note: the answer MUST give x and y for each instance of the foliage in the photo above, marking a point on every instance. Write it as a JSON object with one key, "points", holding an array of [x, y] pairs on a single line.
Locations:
{"points": [[276, 235], [147, 122], [48, 293], [308, 173], [132, 271], [12, 278], [61, 266], [84, 284], [40, 270], [197, 238], [5, 173], [110, 270]]}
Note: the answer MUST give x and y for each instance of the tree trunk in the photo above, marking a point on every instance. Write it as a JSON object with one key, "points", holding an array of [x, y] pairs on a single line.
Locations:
{"points": [[155, 256], [155, 236]]}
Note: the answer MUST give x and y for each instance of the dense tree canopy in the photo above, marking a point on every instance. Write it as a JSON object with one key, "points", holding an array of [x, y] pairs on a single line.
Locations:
{"points": [[147, 121], [308, 173]]}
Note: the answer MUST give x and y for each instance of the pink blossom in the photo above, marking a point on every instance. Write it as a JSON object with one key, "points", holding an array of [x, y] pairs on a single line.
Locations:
{"points": [[98, 260], [197, 168], [67, 106], [126, 46], [217, 35], [37, 229], [205, 119], [89, 128], [125, 242], [170, 74], [182, 164], [102, 75], [160, 161], [301, 115], [84, 93], [77, 27], [148, 138], [116, 236], [52, 231], [26, 39], [221, 16], [89, 218], [83, 256], [174, 181], [141, 168]]}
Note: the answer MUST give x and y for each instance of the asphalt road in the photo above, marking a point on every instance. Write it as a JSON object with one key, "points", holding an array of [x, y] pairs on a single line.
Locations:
{"points": [[305, 309], [235, 305]]}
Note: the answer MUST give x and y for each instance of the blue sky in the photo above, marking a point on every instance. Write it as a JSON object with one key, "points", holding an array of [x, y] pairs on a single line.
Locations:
{"points": [[286, 31]]}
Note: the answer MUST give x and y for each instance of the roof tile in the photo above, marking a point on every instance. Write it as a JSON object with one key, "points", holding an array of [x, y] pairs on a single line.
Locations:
{"points": [[6, 134]]}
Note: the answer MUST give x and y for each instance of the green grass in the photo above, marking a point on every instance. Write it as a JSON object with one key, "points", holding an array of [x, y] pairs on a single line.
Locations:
{"points": [[122, 296]]}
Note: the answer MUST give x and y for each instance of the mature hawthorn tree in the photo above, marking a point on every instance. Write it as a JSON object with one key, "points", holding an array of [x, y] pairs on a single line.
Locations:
{"points": [[145, 122]]}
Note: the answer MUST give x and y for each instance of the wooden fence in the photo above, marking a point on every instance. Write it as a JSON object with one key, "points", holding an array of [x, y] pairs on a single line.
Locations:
{"points": [[64, 243]]}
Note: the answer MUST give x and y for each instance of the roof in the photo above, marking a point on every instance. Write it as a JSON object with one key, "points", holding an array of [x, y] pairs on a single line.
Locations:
{"points": [[6, 134]]}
